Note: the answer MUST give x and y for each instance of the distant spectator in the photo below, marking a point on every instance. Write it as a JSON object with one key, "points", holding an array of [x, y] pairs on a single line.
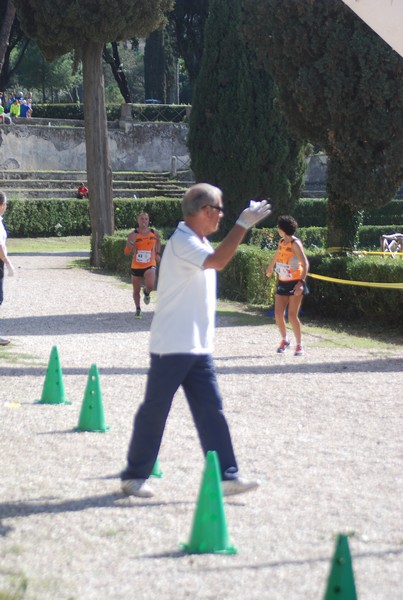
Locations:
{"points": [[82, 191], [15, 108], [1, 114], [1, 99], [25, 109]]}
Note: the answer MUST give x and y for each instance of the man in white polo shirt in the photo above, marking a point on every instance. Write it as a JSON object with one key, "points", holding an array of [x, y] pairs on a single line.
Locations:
{"points": [[181, 340]]}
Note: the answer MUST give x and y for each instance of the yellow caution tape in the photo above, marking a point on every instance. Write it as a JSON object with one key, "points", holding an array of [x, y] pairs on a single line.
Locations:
{"points": [[390, 286], [384, 252]]}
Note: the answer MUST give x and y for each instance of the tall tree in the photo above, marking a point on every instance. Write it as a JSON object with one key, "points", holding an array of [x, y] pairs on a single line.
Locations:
{"points": [[15, 45], [341, 86], [7, 13], [160, 66], [189, 18], [60, 26], [238, 138], [112, 57]]}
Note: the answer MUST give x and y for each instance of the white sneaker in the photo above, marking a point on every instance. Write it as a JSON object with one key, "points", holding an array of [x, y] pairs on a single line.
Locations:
{"points": [[231, 487], [137, 487]]}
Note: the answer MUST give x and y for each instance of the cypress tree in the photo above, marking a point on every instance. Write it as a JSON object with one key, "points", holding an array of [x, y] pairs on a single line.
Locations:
{"points": [[238, 139], [341, 86]]}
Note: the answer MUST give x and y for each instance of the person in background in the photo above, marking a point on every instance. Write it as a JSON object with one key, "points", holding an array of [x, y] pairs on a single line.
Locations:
{"points": [[145, 245], [291, 265], [1, 113], [15, 108], [25, 109], [181, 340], [4, 260], [82, 191]]}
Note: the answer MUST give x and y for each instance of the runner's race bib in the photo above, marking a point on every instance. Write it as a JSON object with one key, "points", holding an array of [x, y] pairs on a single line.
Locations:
{"points": [[283, 271], [143, 256]]}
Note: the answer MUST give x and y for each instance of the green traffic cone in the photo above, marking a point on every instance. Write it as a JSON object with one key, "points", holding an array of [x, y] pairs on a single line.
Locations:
{"points": [[341, 584], [209, 531], [53, 388], [156, 472], [92, 416]]}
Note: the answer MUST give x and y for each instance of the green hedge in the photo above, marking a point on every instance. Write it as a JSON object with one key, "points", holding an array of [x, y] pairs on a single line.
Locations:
{"points": [[174, 113], [244, 280], [50, 217], [315, 237], [312, 212], [352, 302], [63, 217]]}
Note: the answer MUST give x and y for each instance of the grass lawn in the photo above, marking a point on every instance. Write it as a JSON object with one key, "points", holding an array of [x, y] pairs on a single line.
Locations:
{"points": [[50, 244]]}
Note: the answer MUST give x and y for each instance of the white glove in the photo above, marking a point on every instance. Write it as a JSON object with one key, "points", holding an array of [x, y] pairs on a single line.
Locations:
{"points": [[10, 269], [255, 213]]}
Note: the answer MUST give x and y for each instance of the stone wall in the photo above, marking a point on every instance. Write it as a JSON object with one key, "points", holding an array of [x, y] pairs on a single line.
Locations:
{"points": [[145, 147], [53, 146]]}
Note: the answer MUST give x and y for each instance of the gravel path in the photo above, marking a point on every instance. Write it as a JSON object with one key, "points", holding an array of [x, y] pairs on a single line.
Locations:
{"points": [[323, 432]]}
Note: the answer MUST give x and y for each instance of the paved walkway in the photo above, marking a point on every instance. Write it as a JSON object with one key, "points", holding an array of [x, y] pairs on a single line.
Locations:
{"points": [[323, 431]]}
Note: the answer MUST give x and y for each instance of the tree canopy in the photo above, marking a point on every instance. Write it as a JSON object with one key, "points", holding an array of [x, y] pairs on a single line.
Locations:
{"points": [[85, 26], [340, 86], [63, 25], [238, 138]]}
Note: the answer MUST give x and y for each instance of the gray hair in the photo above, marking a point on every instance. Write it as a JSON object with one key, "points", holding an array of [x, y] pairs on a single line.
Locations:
{"points": [[3, 198], [199, 195]]}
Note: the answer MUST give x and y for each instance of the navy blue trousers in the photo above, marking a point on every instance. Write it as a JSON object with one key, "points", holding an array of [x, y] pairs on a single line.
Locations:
{"points": [[197, 375]]}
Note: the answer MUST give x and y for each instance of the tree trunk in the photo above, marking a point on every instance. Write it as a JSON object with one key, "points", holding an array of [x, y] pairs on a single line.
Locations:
{"points": [[5, 30], [342, 226], [344, 219], [99, 170], [114, 62]]}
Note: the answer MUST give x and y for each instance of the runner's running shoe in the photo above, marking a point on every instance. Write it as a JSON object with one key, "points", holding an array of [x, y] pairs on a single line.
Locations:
{"points": [[283, 346]]}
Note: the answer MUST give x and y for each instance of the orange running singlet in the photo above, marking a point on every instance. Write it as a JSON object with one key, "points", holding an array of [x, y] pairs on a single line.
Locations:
{"points": [[288, 266], [144, 250]]}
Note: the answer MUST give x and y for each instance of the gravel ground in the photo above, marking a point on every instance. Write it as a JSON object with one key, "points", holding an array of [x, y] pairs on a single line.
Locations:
{"points": [[323, 432]]}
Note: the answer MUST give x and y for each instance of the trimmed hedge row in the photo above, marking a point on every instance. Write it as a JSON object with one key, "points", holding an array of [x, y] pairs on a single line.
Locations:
{"points": [[244, 280], [63, 217], [312, 212], [52, 216], [315, 237], [352, 302], [174, 113]]}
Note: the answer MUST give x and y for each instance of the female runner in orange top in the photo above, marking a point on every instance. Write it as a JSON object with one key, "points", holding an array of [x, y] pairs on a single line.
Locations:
{"points": [[145, 245], [291, 265]]}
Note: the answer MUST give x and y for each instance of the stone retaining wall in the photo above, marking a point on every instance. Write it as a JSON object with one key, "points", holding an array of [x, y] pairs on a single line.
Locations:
{"points": [[146, 147]]}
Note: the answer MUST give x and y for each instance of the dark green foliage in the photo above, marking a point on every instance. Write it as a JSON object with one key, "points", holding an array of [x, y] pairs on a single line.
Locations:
{"points": [[160, 61], [163, 212], [63, 25], [51, 217], [188, 18], [244, 278], [351, 302], [238, 139], [268, 238], [341, 86], [113, 257], [174, 113], [42, 218]]}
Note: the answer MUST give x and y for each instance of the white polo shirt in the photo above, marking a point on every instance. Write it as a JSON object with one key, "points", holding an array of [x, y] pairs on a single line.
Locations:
{"points": [[3, 234], [184, 319]]}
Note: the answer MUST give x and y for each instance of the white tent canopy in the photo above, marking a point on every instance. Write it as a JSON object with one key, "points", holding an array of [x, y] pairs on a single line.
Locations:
{"points": [[385, 17]]}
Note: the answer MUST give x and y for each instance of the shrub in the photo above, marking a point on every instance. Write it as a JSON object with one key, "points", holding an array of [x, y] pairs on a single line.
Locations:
{"points": [[345, 301]]}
